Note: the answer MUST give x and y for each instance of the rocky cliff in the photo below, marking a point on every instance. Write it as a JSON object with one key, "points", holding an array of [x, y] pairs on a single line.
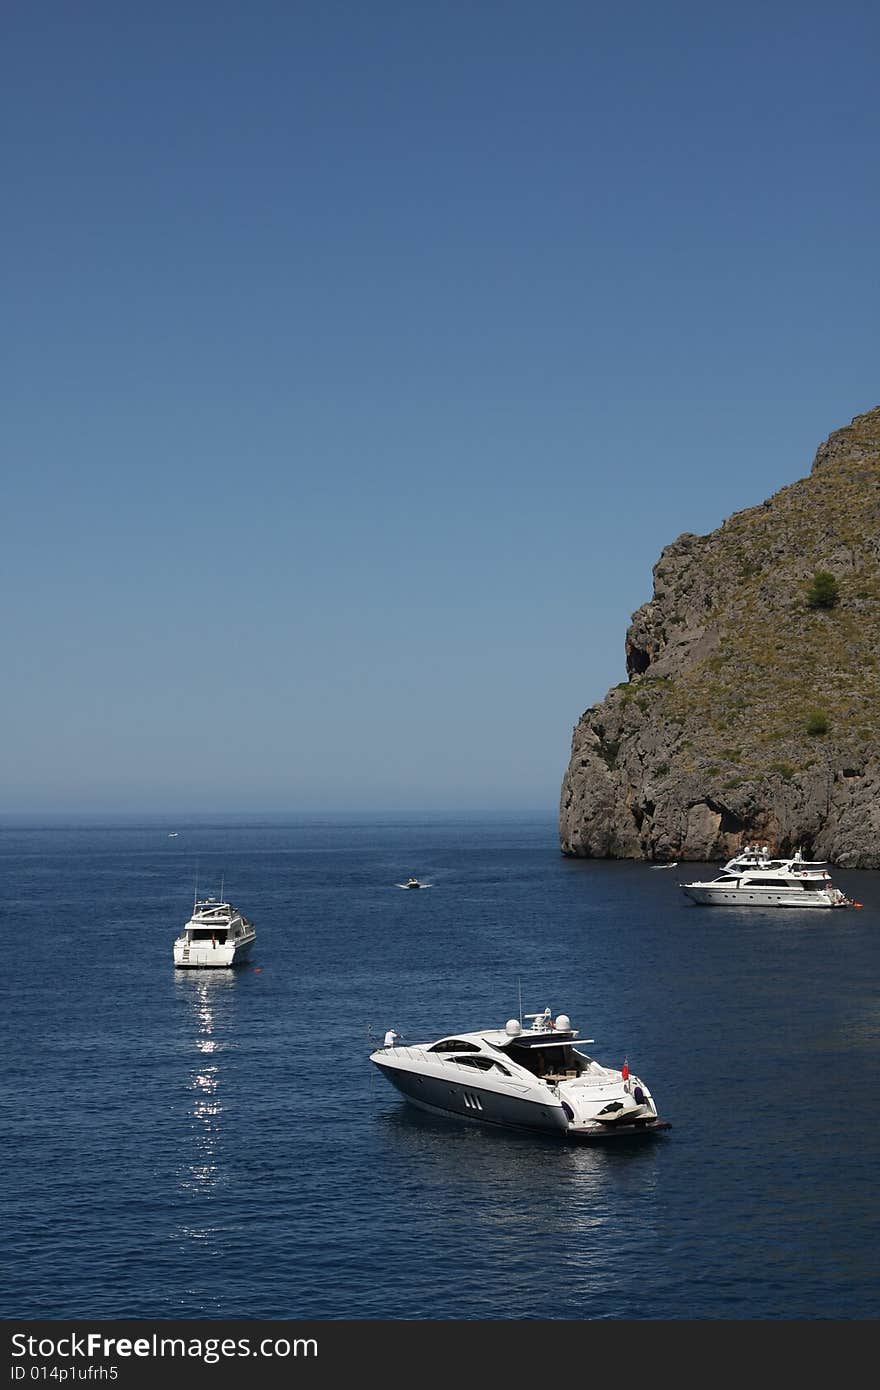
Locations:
{"points": [[752, 709]]}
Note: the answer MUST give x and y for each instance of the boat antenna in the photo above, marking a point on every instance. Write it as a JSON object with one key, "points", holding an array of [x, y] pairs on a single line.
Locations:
{"points": [[196, 887], [222, 881], [519, 991]]}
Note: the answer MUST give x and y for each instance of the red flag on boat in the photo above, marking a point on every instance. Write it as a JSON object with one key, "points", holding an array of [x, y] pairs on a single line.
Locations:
{"points": [[625, 1070]]}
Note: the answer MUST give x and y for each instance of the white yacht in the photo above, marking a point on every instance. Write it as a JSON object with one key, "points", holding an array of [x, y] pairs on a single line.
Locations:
{"points": [[522, 1078], [216, 934], [414, 883], [755, 879]]}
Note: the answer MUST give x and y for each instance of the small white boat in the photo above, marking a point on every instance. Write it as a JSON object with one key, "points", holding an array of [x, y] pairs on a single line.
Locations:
{"points": [[521, 1078], [217, 934], [414, 883], [753, 878]]}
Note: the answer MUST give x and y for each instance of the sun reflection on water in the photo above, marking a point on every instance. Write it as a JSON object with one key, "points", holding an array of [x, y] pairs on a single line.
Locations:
{"points": [[203, 1170]]}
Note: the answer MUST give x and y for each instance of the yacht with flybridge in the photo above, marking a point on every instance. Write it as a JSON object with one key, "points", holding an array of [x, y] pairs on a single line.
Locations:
{"points": [[754, 878], [216, 935]]}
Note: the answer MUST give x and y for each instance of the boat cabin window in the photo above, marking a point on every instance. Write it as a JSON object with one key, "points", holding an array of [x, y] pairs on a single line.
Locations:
{"points": [[480, 1063], [454, 1045], [766, 883], [208, 933], [554, 1061]]}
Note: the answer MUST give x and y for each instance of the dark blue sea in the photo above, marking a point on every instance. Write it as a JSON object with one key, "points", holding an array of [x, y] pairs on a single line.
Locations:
{"points": [[216, 1144]]}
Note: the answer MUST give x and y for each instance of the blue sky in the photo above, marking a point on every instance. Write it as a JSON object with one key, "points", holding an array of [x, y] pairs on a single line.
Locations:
{"points": [[360, 358]]}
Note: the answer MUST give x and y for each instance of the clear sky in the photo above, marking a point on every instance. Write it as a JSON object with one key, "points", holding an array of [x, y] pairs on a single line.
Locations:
{"points": [[362, 355]]}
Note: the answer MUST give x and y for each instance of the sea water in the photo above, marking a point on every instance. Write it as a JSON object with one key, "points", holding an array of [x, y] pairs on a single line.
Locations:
{"points": [[212, 1144]]}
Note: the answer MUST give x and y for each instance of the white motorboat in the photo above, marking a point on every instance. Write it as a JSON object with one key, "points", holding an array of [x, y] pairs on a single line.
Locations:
{"points": [[753, 878], [522, 1078], [217, 934], [414, 883]]}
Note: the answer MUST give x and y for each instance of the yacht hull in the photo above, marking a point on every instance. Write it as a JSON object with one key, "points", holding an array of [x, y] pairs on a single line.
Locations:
{"points": [[708, 896], [440, 1097], [473, 1102], [211, 957]]}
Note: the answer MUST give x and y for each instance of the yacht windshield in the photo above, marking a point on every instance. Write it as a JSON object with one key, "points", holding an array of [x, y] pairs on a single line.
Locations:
{"points": [[549, 1062]]}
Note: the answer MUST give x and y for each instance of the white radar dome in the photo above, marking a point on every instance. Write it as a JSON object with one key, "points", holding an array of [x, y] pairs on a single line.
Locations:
{"points": [[513, 1027], [563, 1022]]}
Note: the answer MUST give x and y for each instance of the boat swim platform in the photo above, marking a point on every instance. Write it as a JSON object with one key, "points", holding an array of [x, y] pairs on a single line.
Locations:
{"points": [[589, 1134]]}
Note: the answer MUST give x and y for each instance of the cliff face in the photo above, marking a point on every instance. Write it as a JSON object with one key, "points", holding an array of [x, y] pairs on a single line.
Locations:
{"points": [[749, 714]]}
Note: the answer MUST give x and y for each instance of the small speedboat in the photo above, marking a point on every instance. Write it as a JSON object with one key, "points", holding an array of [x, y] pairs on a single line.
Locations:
{"points": [[413, 883], [217, 934], [522, 1078]]}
